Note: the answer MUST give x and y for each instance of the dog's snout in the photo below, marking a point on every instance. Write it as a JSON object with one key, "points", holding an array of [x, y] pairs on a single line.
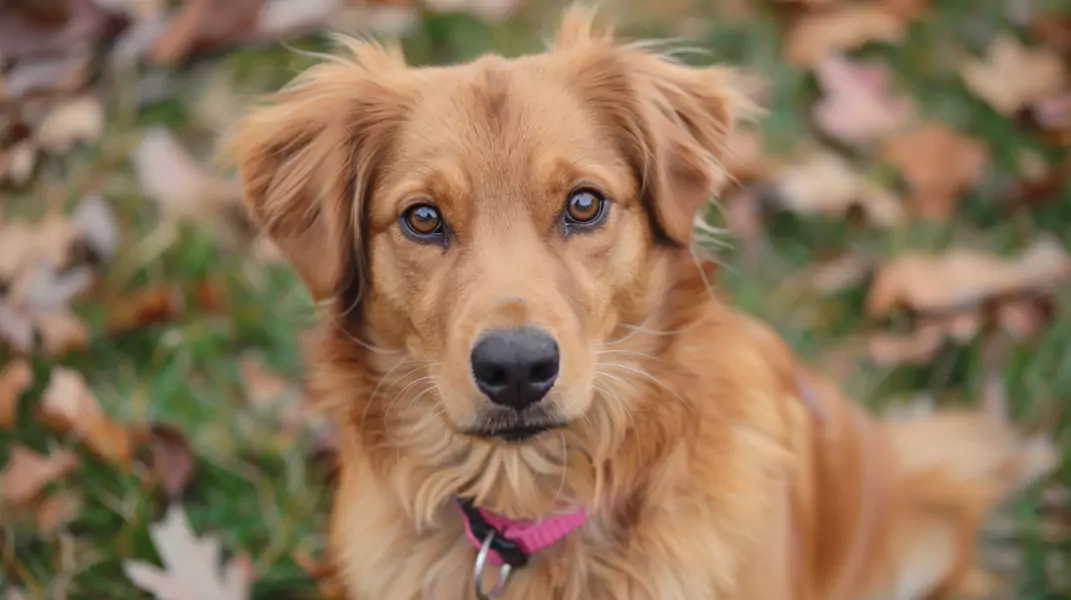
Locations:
{"points": [[515, 367]]}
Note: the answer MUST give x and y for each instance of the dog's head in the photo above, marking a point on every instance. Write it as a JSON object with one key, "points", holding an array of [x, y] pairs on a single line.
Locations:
{"points": [[491, 224]]}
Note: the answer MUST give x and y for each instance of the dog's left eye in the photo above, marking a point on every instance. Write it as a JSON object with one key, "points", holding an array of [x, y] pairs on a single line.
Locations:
{"points": [[585, 206], [423, 221]]}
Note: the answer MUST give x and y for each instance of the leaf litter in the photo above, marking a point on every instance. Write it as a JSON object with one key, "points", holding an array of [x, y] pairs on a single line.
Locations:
{"points": [[54, 101]]}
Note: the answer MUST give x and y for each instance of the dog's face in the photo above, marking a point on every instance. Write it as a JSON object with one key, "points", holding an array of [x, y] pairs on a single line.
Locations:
{"points": [[494, 222]]}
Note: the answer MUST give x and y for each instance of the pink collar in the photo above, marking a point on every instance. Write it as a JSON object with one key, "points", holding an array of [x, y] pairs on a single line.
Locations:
{"points": [[528, 536]]}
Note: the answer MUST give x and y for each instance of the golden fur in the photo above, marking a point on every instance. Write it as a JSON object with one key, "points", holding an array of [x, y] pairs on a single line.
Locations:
{"points": [[712, 462]]}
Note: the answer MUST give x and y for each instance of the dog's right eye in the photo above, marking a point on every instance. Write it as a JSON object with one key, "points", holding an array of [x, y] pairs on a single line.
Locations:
{"points": [[423, 221]]}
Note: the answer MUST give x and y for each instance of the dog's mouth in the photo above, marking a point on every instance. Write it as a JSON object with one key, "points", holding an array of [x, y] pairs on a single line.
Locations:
{"points": [[515, 428]]}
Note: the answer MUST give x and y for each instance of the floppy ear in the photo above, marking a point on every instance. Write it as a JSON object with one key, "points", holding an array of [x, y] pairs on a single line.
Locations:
{"points": [[672, 120], [307, 158]]}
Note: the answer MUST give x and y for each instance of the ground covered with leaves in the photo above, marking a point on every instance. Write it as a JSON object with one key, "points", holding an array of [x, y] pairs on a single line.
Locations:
{"points": [[901, 214]]}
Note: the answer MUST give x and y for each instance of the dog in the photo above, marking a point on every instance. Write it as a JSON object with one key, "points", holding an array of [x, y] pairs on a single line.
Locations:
{"points": [[537, 393]]}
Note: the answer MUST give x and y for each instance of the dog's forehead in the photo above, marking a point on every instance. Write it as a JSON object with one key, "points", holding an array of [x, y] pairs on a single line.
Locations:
{"points": [[497, 116]]}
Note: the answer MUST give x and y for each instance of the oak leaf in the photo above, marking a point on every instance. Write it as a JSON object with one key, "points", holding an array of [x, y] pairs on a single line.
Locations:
{"points": [[938, 163], [1011, 76], [27, 473], [816, 36], [191, 565], [68, 406], [858, 106]]}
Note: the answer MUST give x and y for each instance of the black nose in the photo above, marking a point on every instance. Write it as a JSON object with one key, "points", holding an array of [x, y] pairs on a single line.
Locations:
{"points": [[515, 367]]}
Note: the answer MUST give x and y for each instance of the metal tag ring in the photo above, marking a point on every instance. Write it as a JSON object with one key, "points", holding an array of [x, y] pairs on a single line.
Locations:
{"points": [[477, 571]]}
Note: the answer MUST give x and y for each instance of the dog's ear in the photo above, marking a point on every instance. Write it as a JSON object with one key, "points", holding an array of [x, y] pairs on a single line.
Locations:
{"points": [[673, 120], [307, 158]]}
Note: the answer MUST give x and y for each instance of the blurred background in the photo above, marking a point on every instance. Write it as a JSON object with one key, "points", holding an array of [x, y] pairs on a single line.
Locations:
{"points": [[900, 214]]}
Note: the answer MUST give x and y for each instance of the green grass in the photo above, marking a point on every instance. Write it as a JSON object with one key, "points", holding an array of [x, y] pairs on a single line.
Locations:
{"points": [[261, 495]]}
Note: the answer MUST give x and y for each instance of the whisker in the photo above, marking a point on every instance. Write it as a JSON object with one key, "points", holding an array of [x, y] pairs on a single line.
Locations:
{"points": [[645, 374], [626, 351]]}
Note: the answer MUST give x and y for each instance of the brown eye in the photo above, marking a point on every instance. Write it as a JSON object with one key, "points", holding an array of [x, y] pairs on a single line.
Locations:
{"points": [[584, 207], [423, 220]]}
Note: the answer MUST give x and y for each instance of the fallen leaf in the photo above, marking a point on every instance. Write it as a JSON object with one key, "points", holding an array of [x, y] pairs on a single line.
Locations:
{"points": [[922, 345], [825, 183], [15, 378], [1054, 31], [858, 107], [17, 162], [172, 458], [27, 473], [816, 36], [138, 10], [939, 164], [1024, 318], [963, 278], [48, 76], [201, 25], [68, 406], [61, 332], [488, 10], [180, 186], [96, 223], [841, 273], [191, 565], [77, 120], [29, 28], [146, 307], [1037, 188], [1011, 77], [907, 9], [57, 510]]}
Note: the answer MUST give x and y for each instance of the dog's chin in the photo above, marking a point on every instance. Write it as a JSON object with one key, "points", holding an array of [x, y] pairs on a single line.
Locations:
{"points": [[509, 426]]}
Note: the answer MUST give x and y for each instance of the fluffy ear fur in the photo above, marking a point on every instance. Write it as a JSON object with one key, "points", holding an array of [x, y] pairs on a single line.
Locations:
{"points": [[308, 156], [674, 119]]}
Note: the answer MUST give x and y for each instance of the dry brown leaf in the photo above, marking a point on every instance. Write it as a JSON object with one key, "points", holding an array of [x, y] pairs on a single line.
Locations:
{"points": [[1054, 30], [147, 306], [29, 28], [210, 294], [57, 510], [61, 332], [825, 183], [15, 378], [68, 406], [27, 473], [907, 9], [820, 35], [181, 187], [859, 106], [201, 25], [963, 278], [191, 565], [836, 275], [77, 120], [939, 164], [1011, 77], [172, 458]]}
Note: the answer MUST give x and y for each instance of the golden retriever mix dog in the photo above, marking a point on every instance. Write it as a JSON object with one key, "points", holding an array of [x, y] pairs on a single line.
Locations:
{"points": [[537, 394]]}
